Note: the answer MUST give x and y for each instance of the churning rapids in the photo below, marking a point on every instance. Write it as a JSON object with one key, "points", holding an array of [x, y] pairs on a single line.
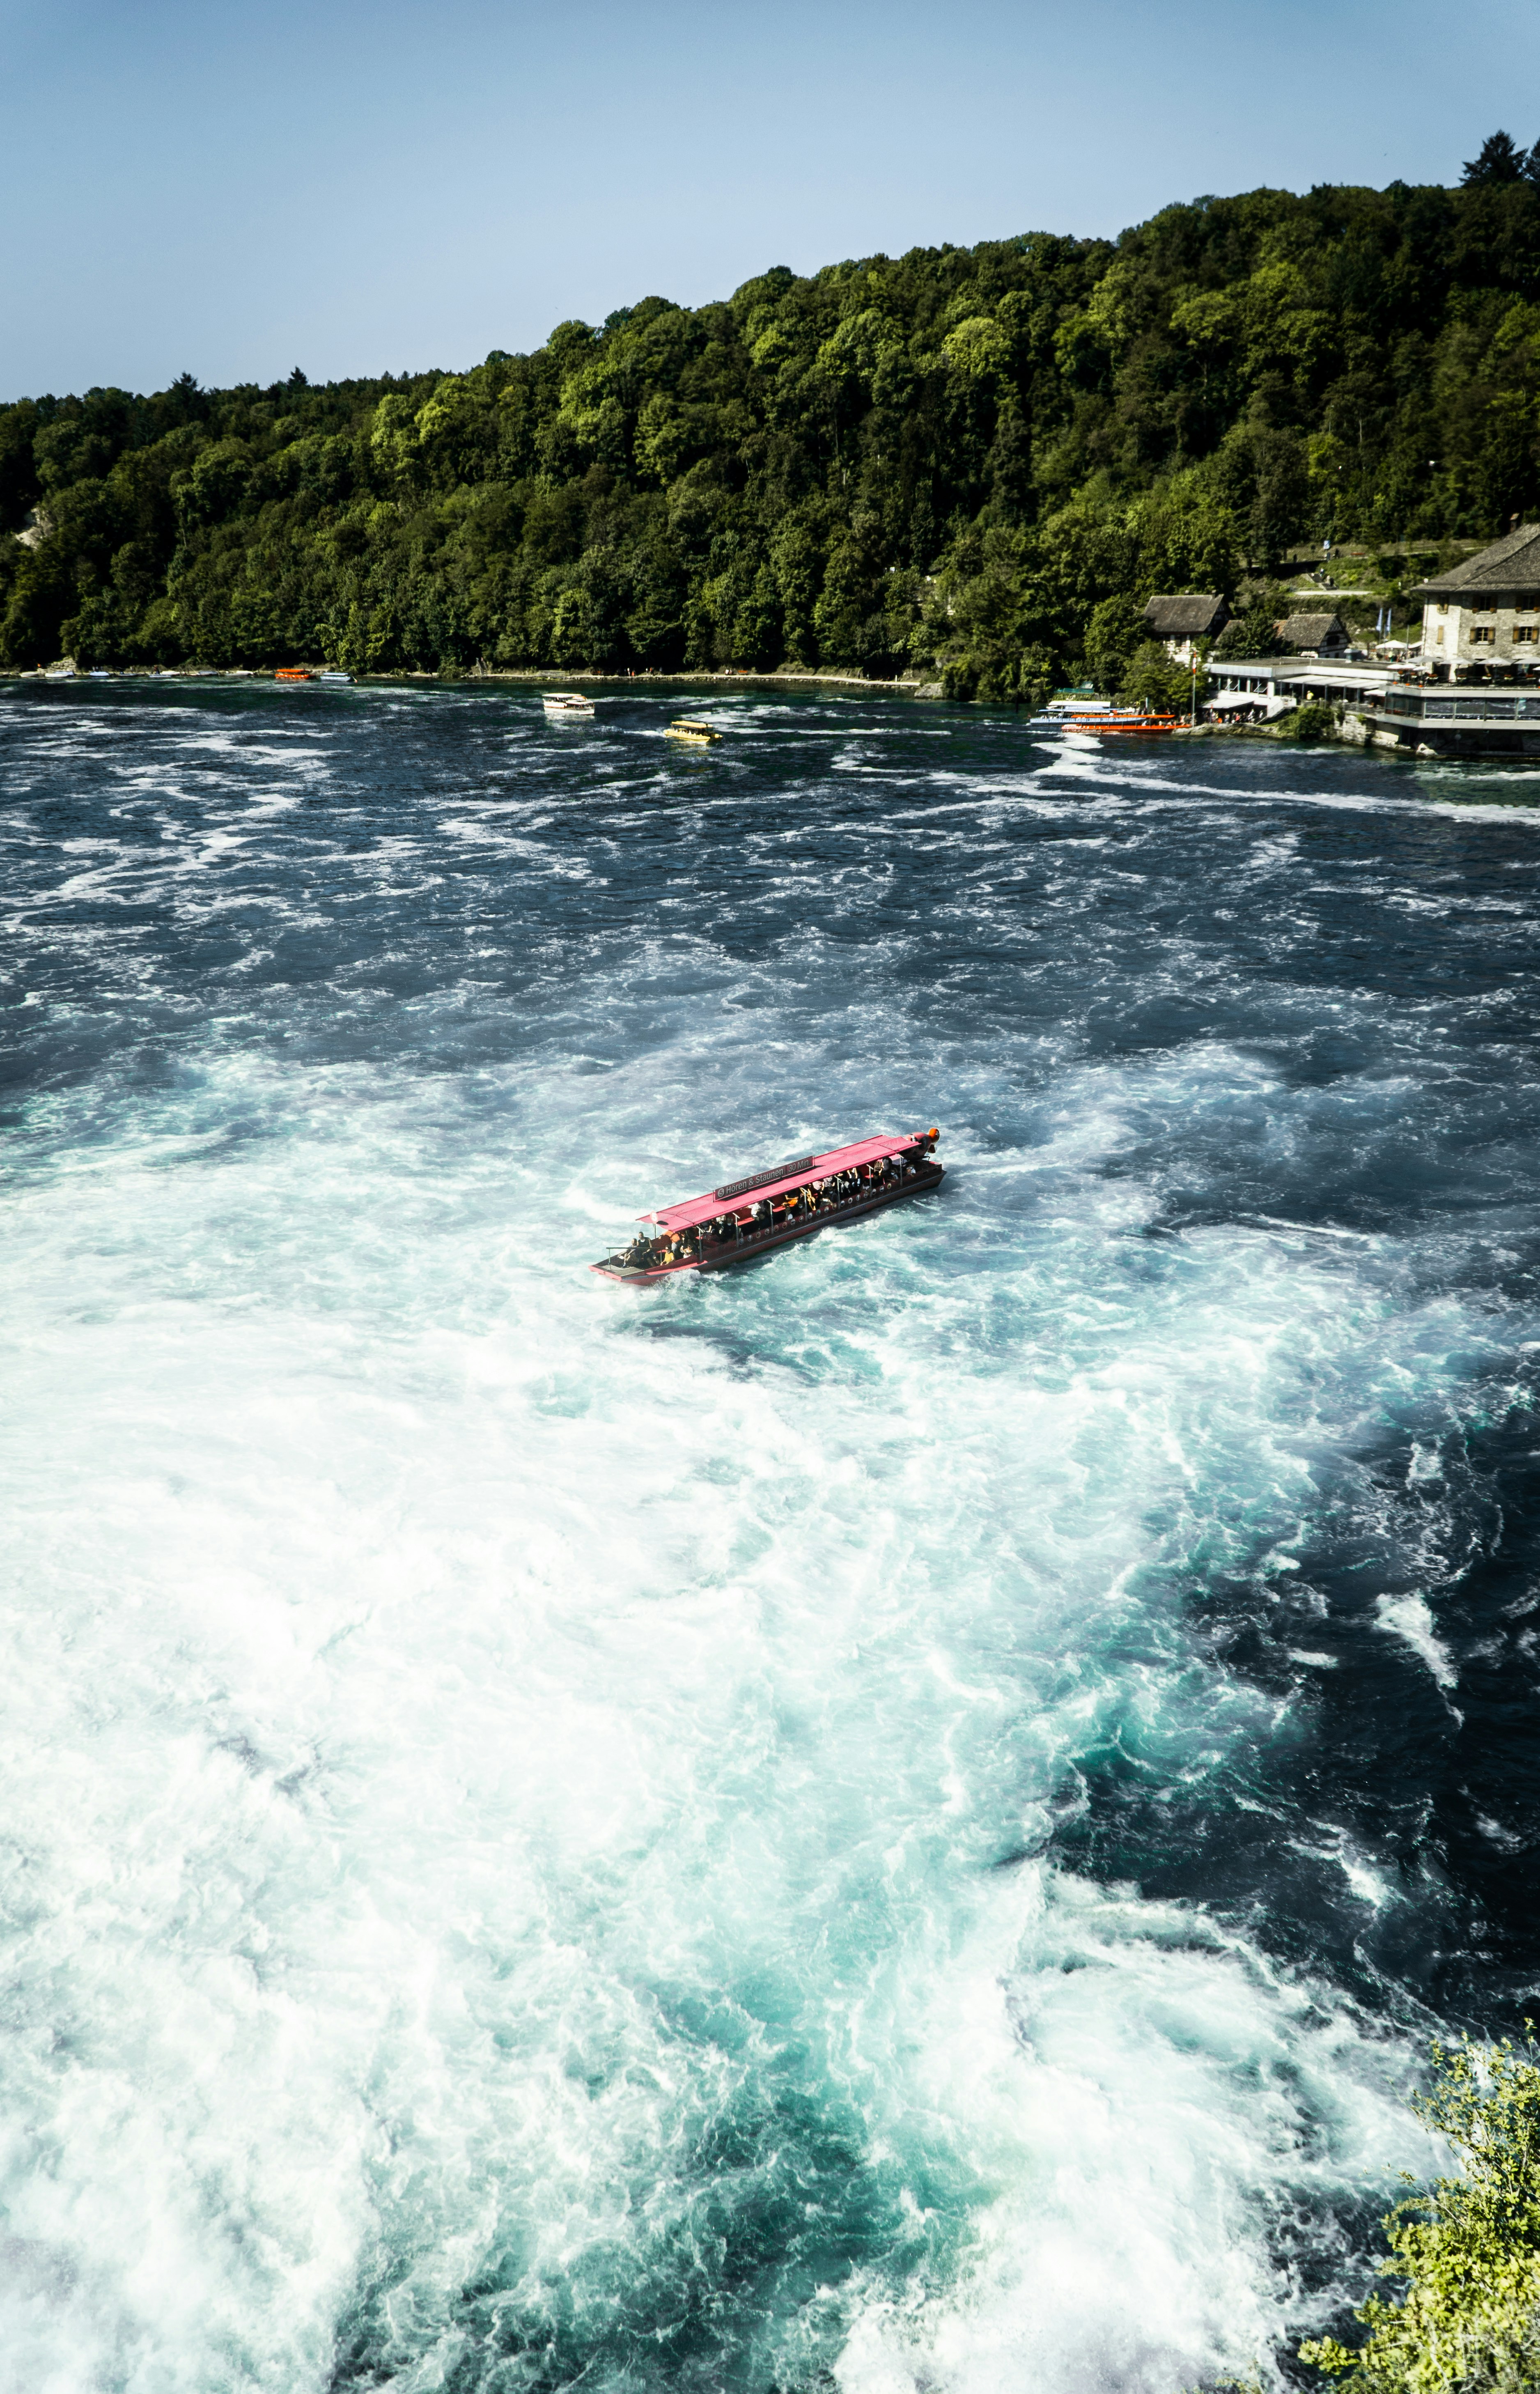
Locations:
{"points": [[896, 1819]]}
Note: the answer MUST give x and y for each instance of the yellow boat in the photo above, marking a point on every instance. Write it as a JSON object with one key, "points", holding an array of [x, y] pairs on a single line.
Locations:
{"points": [[697, 735]]}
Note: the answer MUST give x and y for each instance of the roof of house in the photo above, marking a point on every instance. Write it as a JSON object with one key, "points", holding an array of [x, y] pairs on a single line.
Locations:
{"points": [[1313, 631], [776, 1181], [1185, 614], [1512, 563]]}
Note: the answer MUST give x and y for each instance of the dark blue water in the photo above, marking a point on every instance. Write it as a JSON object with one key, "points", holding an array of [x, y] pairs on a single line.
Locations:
{"points": [[900, 1816]]}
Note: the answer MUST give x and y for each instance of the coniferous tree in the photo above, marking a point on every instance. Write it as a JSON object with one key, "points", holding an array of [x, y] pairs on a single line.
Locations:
{"points": [[1499, 160]]}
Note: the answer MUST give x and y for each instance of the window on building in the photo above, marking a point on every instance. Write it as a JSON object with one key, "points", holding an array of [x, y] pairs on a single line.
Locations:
{"points": [[1443, 606], [1438, 636], [1480, 632], [1524, 632]]}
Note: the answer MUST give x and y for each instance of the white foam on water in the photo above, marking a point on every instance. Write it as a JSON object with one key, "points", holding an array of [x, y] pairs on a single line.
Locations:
{"points": [[1128, 780], [1410, 1618], [1146, 2096], [475, 1730]]}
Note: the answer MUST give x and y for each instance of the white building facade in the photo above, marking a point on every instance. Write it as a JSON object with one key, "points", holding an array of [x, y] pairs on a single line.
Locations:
{"points": [[1487, 611], [1475, 634]]}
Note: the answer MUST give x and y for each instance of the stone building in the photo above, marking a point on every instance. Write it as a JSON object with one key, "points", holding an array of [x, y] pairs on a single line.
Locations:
{"points": [[1487, 611], [1182, 618]]}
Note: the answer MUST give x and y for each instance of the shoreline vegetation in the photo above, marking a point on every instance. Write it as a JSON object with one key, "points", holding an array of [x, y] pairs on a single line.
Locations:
{"points": [[785, 677], [966, 467], [1468, 2249]]}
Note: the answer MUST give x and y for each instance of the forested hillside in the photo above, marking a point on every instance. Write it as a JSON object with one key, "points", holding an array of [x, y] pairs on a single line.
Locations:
{"points": [[972, 460]]}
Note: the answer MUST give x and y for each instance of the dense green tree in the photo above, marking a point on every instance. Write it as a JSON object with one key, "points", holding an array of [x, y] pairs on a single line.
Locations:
{"points": [[973, 463], [1115, 633], [1469, 2252], [1153, 679], [1255, 633]]}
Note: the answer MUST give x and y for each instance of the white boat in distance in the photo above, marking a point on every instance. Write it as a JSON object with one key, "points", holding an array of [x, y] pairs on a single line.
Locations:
{"points": [[1062, 714], [567, 704]]}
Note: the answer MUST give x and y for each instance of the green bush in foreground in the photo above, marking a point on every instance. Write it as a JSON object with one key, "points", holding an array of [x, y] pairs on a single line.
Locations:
{"points": [[1311, 720], [1469, 2250]]}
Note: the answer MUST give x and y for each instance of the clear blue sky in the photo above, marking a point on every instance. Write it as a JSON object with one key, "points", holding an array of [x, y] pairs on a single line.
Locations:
{"points": [[238, 190]]}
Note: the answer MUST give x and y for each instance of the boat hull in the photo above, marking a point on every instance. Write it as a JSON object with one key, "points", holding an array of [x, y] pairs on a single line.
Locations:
{"points": [[764, 1243]]}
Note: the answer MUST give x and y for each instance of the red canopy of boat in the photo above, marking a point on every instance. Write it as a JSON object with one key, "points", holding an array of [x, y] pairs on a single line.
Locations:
{"points": [[692, 1210]]}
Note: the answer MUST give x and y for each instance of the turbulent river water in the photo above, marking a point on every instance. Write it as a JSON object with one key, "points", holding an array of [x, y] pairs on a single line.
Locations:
{"points": [[896, 1819]]}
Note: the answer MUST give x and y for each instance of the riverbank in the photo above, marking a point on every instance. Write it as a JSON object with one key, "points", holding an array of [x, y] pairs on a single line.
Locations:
{"points": [[908, 686]]}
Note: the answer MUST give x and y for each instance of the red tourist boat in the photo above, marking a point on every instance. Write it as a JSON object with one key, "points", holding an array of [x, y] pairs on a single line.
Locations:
{"points": [[771, 1208]]}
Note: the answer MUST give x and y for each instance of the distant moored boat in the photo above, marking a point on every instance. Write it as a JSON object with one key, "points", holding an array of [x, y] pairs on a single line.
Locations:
{"points": [[1099, 715], [293, 673], [1133, 723]]}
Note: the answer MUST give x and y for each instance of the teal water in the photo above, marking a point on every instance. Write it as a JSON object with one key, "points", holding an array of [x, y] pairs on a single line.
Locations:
{"points": [[899, 1817]]}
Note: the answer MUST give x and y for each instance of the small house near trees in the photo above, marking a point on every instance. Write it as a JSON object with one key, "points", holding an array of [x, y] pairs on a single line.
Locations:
{"points": [[1181, 618], [1316, 635], [1487, 611]]}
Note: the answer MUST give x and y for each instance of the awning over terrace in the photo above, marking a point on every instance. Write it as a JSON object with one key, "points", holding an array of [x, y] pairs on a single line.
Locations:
{"points": [[694, 1210]]}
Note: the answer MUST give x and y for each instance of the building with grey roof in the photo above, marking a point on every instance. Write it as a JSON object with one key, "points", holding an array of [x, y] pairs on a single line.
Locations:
{"points": [[1487, 611], [1322, 635], [1182, 617]]}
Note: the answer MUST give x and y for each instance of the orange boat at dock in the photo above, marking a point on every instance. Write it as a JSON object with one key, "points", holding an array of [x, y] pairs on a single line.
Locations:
{"points": [[1127, 723], [773, 1207]]}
